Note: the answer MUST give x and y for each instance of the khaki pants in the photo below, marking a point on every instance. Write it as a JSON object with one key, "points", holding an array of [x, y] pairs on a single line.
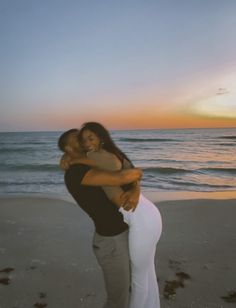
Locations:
{"points": [[112, 254]]}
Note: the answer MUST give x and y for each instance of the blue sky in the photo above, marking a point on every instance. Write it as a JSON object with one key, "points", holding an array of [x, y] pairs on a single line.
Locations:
{"points": [[65, 62]]}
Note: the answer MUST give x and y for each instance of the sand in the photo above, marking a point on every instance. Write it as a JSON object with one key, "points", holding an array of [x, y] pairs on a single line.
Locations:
{"points": [[46, 259]]}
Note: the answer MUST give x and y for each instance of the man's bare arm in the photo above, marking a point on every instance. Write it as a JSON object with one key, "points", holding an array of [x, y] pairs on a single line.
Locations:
{"points": [[66, 161], [97, 177]]}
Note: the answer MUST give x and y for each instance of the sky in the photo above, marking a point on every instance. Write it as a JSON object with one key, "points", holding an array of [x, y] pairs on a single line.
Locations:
{"points": [[126, 64]]}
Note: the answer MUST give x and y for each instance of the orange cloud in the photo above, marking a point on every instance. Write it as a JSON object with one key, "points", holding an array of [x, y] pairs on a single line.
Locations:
{"points": [[161, 121]]}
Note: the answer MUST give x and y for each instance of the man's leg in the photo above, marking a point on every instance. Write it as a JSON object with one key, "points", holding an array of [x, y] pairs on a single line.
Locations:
{"points": [[112, 253]]}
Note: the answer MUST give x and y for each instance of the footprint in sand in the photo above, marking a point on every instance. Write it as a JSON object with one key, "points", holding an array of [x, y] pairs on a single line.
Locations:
{"points": [[7, 270], [173, 264], [30, 268], [6, 280], [42, 295], [40, 305], [230, 297], [183, 276]]}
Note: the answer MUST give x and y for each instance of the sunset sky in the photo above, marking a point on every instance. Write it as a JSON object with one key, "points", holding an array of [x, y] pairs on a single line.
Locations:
{"points": [[127, 64]]}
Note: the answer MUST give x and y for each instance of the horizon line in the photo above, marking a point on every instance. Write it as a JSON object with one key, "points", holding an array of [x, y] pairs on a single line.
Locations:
{"points": [[121, 129]]}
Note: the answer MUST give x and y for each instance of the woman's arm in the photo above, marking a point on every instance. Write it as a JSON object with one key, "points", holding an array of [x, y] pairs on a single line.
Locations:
{"points": [[83, 160], [131, 196], [127, 199], [67, 160], [108, 161], [132, 190], [111, 182], [98, 177]]}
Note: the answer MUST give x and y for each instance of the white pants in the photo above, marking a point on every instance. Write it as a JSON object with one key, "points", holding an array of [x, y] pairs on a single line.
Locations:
{"points": [[145, 226]]}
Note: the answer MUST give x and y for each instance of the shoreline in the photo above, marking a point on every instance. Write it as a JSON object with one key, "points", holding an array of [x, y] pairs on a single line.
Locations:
{"points": [[158, 196], [154, 196]]}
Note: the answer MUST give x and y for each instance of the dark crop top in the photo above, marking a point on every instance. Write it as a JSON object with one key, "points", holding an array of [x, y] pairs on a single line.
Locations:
{"points": [[93, 200]]}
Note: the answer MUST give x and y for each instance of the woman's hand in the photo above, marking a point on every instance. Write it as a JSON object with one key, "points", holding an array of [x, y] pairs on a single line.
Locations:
{"points": [[130, 198]]}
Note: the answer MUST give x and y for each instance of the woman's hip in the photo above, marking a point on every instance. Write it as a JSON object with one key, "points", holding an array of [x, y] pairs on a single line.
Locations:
{"points": [[145, 216]]}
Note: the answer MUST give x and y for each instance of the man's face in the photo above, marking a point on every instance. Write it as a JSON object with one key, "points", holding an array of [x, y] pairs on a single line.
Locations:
{"points": [[73, 143]]}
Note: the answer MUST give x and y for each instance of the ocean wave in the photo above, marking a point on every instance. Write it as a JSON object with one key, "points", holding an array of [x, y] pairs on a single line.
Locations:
{"points": [[165, 170], [162, 160], [147, 140], [30, 183], [228, 137], [24, 142], [16, 150], [169, 170], [202, 185], [218, 170], [227, 144], [31, 167]]}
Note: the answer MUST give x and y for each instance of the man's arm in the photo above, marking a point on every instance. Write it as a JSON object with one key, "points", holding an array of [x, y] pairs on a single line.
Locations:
{"points": [[97, 177], [66, 161]]}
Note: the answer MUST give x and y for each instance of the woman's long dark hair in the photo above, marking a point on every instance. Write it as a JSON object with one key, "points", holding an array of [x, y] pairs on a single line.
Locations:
{"points": [[103, 134]]}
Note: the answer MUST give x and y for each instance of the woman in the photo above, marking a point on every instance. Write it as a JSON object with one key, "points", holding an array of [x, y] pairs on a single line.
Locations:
{"points": [[145, 222]]}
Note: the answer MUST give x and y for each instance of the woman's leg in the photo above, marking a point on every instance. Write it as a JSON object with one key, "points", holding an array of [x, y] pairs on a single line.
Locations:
{"points": [[144, 233], [153, 299]]}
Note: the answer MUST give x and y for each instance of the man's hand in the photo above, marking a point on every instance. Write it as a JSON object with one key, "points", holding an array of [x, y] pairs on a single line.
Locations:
{"points": [[65, 162]]}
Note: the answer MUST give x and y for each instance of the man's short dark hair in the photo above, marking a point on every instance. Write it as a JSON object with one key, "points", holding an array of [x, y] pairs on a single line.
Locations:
{"points": [[62, 141]]}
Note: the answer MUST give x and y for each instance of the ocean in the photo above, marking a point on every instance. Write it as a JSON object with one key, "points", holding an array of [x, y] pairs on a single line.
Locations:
{"points": [[197, 160]]}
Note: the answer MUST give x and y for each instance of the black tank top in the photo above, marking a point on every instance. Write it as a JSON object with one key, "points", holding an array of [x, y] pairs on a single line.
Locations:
{"points": [[93, 200]]}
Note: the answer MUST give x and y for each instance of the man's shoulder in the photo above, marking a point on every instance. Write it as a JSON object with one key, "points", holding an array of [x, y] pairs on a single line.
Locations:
{"points": [[77, 172], [78, 167]]}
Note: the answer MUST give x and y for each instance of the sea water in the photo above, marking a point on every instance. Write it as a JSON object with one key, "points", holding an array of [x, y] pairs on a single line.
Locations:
{"points": [[171, 160]]}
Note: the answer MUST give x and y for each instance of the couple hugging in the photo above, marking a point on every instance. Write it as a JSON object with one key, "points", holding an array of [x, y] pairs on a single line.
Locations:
{"points": [[105, 184]]}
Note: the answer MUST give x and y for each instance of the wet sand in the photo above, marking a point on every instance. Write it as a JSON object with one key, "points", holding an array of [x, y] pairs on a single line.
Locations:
{"points": [[46, 259]]}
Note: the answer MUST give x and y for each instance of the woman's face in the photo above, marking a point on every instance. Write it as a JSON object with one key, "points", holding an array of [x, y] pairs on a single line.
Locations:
{"points": [[91, 142]]}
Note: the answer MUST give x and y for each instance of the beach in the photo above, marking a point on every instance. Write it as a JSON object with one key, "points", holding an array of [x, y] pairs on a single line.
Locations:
{"points": [[46, 258]]}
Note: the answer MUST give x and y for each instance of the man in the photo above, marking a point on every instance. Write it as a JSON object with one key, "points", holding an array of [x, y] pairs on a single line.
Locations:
{"points": [[110, 242]]}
